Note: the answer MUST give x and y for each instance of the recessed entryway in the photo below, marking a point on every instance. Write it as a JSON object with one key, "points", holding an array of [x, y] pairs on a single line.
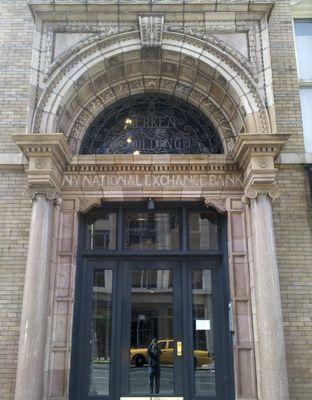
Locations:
{"points": [[152, 298]]}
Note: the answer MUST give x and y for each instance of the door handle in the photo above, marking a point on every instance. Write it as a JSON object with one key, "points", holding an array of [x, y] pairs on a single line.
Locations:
{"points": [[179, 349]]}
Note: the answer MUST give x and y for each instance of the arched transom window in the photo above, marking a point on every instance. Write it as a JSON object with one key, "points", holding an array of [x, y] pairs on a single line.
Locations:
{"points": [[151, 124]]}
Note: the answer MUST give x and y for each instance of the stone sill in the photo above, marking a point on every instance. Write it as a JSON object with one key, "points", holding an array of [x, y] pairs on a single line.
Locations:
{"points": [[40, 7]]}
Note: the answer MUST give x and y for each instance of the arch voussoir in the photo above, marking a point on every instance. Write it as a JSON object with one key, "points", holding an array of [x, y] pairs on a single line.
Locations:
{"points": [[109, 69]]}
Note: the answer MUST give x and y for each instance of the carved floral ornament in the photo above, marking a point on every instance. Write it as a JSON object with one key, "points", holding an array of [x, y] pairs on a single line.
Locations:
{"points": [[51, 108]]}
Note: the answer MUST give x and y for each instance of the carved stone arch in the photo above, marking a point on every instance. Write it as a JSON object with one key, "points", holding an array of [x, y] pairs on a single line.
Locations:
{"points": [[103, 71]]}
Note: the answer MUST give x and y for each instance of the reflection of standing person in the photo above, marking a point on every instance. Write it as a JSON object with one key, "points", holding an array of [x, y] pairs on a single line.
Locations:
{"points": [[154, 352]]}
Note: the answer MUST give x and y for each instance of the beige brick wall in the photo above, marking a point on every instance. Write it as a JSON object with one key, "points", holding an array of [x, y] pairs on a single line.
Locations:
{"points": [[292, 212], [16, 33], [14, 230], [293, 223], [285, 80], [16, 37]]}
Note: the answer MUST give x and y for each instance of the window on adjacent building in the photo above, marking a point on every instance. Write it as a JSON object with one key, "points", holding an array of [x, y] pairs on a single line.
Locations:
{"points": [[303, 31]]}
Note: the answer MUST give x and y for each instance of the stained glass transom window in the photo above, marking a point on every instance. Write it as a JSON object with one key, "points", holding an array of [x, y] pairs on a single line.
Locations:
{"points": [[151, 124]]}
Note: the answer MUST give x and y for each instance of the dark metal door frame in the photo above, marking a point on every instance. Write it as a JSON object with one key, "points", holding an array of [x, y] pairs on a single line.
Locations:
{"points": [[116, 260]]}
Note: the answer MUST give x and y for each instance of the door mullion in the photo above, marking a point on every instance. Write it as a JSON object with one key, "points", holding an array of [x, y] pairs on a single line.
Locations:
{"points": [[178, 331], [115, 341], [188, 374], [124, 334]]}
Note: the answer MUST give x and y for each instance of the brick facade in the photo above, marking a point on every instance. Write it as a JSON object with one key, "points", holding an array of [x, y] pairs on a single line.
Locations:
{"points": [[15, 219], [292, 211]]}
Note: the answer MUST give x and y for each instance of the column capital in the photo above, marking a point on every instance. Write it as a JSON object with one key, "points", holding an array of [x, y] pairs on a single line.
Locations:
{"points": [[255, 155], [48, 193], [252, 192], [48, 154]]}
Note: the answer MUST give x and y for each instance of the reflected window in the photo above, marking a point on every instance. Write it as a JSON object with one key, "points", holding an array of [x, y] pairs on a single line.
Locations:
{"points": [[303, 31], [204, 368], [203, 231], [152, 230], [101, 233], [100, 339], [151, 343]]}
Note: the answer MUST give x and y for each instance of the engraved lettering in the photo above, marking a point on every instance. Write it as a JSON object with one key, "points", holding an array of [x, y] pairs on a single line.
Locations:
{"points": [[148, 180], [139, 180], [212, 180], [155, 179], [122, 180], [229, 180], [87, 180]]}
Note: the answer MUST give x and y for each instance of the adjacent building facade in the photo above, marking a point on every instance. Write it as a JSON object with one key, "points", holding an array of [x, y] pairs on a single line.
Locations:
{"points": [[155, 162]]}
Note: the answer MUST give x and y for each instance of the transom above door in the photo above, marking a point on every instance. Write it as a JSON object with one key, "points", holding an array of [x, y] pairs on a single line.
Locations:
{"points": [[151, 314]]}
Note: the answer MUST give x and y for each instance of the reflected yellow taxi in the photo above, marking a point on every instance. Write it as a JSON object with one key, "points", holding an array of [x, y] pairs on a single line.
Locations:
{"points": [[139, 357]]}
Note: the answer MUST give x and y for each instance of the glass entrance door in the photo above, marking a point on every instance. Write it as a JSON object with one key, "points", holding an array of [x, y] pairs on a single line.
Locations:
{"points": [[152, 308], [152, 330]]}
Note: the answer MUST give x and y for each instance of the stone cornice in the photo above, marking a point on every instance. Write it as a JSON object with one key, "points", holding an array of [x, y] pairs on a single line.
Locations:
{"points": [[37, 144], [157, 163], [49, 10], [250, 144], [48, 157], [256, 154]]}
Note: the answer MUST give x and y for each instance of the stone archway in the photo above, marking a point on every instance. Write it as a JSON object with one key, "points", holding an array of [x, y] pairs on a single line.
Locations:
{"points": [[217, 81], [90, 77]]}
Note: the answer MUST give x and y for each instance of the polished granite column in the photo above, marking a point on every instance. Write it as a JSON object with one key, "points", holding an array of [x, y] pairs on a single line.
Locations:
{"points": [[30, 365], [272, 367]]}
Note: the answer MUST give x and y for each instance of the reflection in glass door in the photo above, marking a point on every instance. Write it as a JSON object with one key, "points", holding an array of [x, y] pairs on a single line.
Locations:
{"points": [[203, 343], [151, 306], [100, 335], [151, 329], [151, 339]]}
